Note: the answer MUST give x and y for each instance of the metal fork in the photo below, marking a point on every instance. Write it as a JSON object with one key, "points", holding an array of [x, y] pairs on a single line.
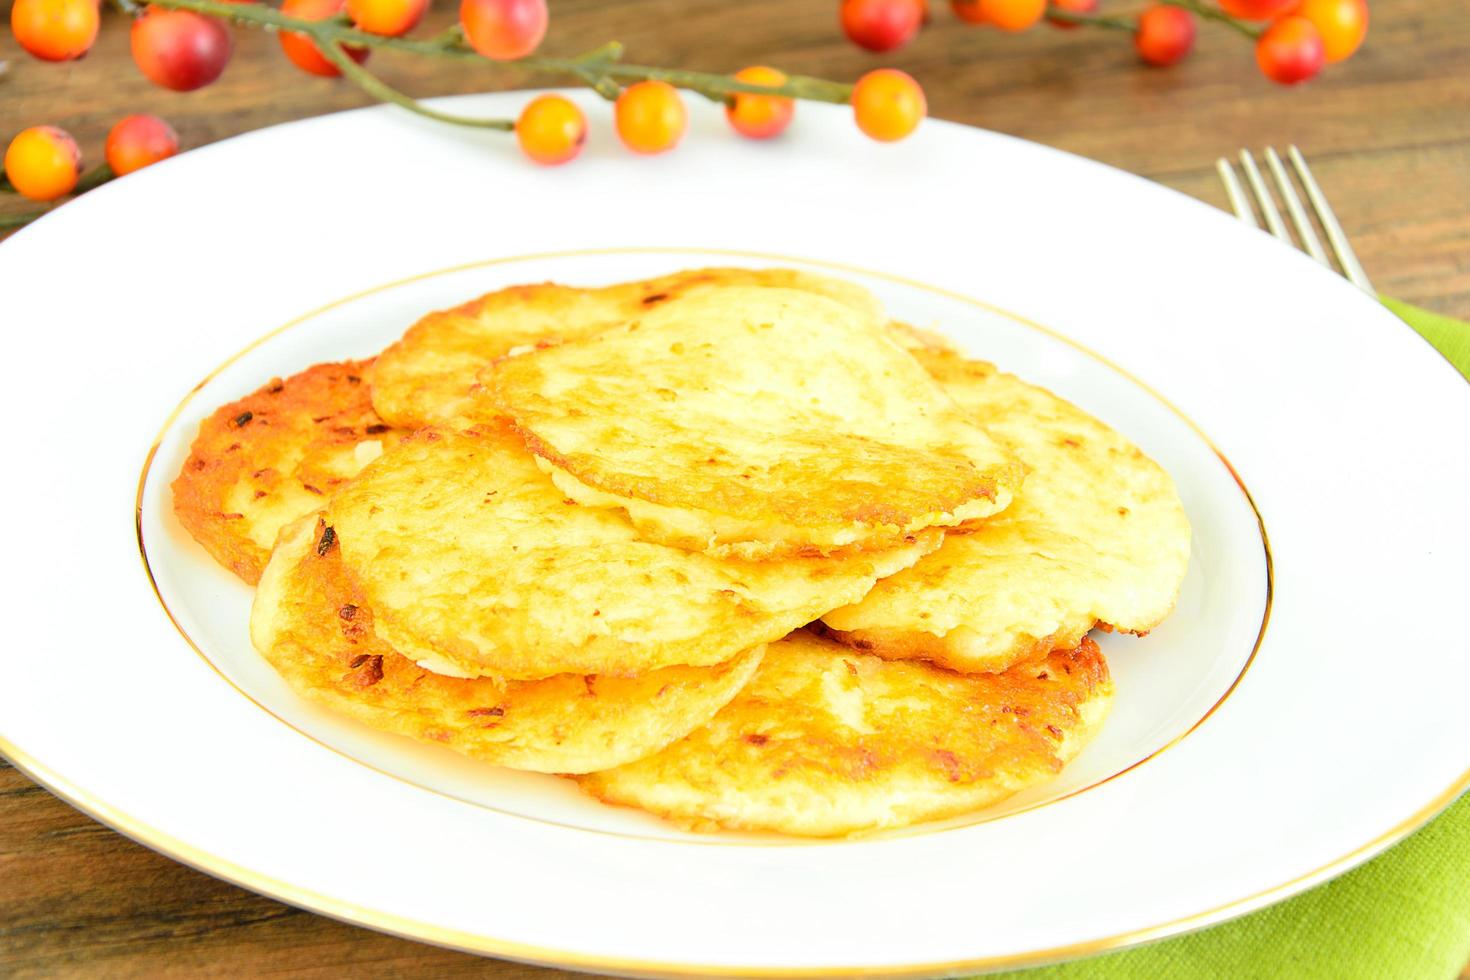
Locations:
{"points": [[1310, 243]]}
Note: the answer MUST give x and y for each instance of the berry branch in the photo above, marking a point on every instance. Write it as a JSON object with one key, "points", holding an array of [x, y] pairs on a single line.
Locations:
{"points": [[1294, 39], [185, 44], [1067, 15], [1064, 16], [601, 69], [380, 90], [1210, 12]]}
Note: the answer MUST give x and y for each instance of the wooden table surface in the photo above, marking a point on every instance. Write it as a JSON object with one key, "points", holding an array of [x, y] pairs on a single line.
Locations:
{"points": [[1388, 135]]}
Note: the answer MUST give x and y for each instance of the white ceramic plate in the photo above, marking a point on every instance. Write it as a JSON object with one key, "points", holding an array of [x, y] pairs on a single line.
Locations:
{"points": [[1286, 723]]}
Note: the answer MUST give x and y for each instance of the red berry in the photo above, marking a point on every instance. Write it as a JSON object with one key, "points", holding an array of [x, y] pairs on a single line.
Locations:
{"points": [[180, 49], [1165, 34], [503, 29], [968, 11], [1291, 51], [1071, 7], [301, 49], [137, 141], [881, 25], [1256, 9]]}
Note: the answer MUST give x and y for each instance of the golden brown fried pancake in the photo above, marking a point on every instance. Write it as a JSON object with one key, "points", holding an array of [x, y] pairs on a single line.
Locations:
{"points": [[472, 560], [267, 459], [824, 741], [1096, 535], [758, 422], [315, 628], [913, 338], [426, 377]]}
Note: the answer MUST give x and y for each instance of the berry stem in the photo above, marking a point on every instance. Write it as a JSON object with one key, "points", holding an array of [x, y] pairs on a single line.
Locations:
{"points": [[9, 221], [95, 177], [380, 90], [453, 34], [1209, 11], [1091, 20]]}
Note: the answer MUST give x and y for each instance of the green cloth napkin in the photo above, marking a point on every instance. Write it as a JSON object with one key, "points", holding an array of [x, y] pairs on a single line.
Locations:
{"points": [[1403, 916], [1452, 337]]}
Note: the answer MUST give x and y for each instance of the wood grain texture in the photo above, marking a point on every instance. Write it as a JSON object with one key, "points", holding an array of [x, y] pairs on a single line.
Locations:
{"points": [[78, 899], [1388, 135]]}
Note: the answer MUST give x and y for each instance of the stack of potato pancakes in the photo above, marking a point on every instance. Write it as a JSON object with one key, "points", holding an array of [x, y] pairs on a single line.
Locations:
{"points": [[728, 545]]}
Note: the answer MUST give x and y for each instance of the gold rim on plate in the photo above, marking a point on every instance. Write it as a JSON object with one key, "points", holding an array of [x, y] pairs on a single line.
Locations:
{"points": [[707, 841]]}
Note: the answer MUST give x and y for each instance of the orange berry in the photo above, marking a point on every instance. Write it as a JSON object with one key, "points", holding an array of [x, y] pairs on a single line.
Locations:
{"points": [[1342, 23], [1013, 15], [760, 116], [503, 29], [650, 117], [180, 49], [54, 30], [390, 18], [1290, 51], [551, 129], [301, 49], [136, 141], [1165, 35], [43, 163], [888, 104]]}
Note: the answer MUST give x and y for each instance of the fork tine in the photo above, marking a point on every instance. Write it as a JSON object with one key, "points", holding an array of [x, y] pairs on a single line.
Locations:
{"points": [[1238, 202], [1293, 203], [1335, 235], [1263, 198]]}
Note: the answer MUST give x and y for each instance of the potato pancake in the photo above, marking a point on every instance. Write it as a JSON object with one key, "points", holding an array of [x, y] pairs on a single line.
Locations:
{"points": [[825, 741], [754, 422], [471, 558], [315, 628], [427, 376], [265, 460], [1096, 535]]}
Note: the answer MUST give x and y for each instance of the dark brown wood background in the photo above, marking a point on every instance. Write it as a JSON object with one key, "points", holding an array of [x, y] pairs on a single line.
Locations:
{"points": [[1388, 135]]}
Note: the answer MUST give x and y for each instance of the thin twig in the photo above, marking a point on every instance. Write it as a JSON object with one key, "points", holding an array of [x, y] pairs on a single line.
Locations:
{"points": [[1211, 12], [95, 177], [9, 221], [450, 36], [380, 90], [1091, 20]]}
